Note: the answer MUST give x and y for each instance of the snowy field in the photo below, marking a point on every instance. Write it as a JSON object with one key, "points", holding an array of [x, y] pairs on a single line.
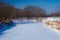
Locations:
{"points": [[29, 30]]}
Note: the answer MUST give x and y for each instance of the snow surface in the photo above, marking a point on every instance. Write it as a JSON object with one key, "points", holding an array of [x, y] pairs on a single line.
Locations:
{"points": [[24, 21], [31, 31]]}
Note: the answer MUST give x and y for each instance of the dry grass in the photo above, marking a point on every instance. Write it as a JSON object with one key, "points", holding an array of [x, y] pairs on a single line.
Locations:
{"points": [[53, 24]]}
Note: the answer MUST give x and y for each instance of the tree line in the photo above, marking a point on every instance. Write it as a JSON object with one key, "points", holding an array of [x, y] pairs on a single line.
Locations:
{"points": [[10, 12]]}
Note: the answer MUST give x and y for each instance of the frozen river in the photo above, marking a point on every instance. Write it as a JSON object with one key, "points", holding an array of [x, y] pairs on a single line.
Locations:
{"points": [[30, 31]]}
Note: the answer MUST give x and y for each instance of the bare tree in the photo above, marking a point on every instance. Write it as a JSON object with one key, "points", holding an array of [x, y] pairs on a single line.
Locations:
{"points": [[32, 11]]}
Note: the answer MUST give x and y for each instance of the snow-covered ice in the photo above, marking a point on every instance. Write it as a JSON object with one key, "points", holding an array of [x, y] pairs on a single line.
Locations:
{"points": [[31, 31]]}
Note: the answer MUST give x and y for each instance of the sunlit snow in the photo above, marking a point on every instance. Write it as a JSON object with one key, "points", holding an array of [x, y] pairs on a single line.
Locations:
{"points": [[31, 31]]}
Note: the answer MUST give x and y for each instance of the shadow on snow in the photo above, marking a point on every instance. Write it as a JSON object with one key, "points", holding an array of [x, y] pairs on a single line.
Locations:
{"points": [[6, 27]]}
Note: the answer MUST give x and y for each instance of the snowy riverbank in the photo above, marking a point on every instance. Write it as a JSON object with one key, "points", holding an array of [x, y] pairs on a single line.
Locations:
{"points": [[34, 31]]}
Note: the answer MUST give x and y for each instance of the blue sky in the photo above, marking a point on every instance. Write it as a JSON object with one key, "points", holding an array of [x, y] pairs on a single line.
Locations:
{"points": [[48, 5]]}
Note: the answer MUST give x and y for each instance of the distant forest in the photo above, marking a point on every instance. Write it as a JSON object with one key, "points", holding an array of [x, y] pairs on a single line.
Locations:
{"points": [[8, 11]]}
